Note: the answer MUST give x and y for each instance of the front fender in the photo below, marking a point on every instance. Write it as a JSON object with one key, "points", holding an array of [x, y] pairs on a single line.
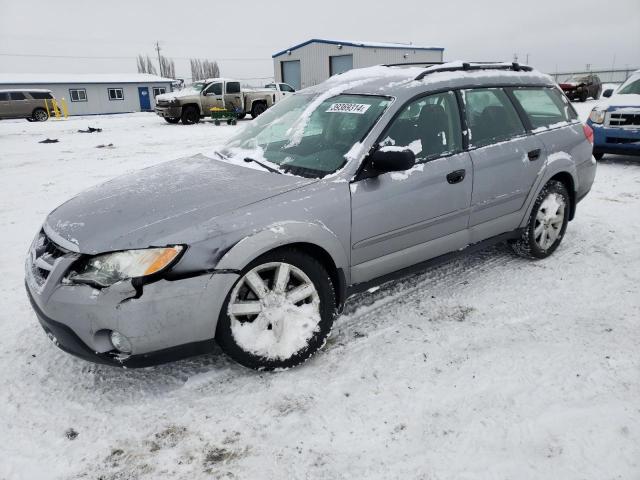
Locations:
{"points": [[281, 234]]}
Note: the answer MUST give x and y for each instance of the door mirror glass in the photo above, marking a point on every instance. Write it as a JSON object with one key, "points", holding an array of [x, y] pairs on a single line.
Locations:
{"points": [[392, 159], [608, 92]]}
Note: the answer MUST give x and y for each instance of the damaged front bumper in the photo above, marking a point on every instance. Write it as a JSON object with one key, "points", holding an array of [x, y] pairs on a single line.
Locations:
{"points": [[169, 319]]}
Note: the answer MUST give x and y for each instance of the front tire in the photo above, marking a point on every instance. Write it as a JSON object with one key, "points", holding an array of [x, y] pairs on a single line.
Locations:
{"points": [[190, 115], [171, 120], [547, 223], [279, 312]]}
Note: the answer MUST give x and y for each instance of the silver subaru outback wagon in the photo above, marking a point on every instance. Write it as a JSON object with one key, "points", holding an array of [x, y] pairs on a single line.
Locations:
{"points": [[367, 176]]}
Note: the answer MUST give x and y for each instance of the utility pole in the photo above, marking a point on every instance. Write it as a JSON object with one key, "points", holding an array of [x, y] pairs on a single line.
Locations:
{"points": [[159, 64], [515, 58], [527, 60]]}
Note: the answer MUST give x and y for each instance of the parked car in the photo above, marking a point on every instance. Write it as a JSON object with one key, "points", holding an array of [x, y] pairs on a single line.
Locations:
{"points": [[616, 121], [368, 176], [29, 104], [195, 101], [581, 87], [283, 89]]}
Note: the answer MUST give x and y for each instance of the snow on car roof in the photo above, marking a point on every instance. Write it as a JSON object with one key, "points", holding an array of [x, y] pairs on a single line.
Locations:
{"points": [[359, 43], [79, 78], [392, 80]]}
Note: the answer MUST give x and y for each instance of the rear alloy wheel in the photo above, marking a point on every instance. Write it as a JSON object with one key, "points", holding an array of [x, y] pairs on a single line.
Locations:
{"points": [[279, 313], [258, 109], [172, 119], [190, 115], [547, 223], [40, 115]]}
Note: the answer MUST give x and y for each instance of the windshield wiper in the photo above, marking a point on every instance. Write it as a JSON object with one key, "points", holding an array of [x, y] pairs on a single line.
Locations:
{"points": [[266, 167]]}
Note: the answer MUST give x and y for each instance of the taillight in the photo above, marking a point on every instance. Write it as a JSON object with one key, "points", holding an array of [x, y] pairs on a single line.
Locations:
{"points": [[588, 132]]}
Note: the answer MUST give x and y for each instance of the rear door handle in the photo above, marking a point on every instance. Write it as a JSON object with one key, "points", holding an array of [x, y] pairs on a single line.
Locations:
{"points": [[456, 176], [534, 154]]}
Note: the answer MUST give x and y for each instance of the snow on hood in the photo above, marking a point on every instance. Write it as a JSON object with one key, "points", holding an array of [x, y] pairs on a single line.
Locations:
{"points": [[185, 92], [162, 204], [622, 100]]}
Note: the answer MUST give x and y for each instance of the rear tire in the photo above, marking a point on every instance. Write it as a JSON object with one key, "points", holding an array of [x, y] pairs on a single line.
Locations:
{"points": [[190, 115], [241, 116], [258, 109], [583, 96], [171, 120], [598, 155], [279, 312], [547, 223], [40, 115]]}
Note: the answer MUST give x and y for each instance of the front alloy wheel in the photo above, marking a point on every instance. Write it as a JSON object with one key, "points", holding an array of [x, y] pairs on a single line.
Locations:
{"points": [[279, 313]]}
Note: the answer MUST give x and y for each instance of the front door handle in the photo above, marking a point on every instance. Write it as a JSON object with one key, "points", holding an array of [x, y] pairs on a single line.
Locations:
{"points": [[534, 154], [456, 176]]}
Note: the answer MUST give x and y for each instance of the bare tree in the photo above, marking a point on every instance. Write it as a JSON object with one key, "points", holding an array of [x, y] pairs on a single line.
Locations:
{"points": [[145, 65], [202, 69], [167, 67]]}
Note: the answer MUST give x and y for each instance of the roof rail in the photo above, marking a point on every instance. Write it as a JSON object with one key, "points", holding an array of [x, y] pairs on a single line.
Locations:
{"points": [[410, 63], [466, 67]]}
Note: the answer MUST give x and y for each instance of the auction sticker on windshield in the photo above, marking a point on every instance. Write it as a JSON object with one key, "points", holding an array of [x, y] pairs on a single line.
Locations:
{"points": [[359, 108]]}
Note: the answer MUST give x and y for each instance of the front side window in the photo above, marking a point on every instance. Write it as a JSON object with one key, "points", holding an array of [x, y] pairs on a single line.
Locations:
{"points": [[491, 117], [18, 96], [308, 135], [542, 107], [78, 94], [286, 88], [158, 91], [233, 87], [430, 126], [116, 94], [214, 89]]}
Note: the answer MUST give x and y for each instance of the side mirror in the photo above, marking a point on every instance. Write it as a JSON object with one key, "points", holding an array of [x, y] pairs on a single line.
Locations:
{"points": [[607, 93], [392, 159]]}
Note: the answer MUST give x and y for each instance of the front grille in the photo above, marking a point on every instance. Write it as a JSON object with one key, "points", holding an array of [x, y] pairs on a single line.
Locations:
{"points": [[162, 103], [42, 257], [624, 119]]}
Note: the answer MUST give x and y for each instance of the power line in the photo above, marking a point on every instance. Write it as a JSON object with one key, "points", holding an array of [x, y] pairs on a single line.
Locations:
{"points": [[228, 59]]}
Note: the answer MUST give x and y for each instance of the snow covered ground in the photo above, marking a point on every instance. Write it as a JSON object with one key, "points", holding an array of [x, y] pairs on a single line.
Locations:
{"points": [[489, 366]]}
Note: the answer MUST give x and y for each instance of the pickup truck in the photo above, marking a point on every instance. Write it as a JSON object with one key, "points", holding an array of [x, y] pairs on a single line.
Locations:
{"points": [[282, 88], [195, 101]]}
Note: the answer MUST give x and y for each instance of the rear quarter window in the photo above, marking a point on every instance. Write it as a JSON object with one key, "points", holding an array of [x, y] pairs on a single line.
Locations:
{"points": [[18, 96], [544, 107], [4, 96], [40, 95]]}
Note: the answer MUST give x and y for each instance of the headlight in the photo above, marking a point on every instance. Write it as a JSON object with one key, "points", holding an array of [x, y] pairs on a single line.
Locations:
{"points": [[597, 115], [106, 269]]}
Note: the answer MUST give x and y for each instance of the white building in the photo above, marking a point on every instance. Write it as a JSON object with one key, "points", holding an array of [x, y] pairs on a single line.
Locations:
{"points": [[315, 60], [94, 94]]}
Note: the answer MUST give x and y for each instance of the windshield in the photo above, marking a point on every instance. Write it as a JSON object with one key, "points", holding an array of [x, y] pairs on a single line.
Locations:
{"points": [[631, 87], [197, 86], [308, 135]]}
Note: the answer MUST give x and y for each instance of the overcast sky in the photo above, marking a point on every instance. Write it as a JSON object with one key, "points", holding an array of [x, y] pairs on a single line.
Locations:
{"points": [[242, 35]]}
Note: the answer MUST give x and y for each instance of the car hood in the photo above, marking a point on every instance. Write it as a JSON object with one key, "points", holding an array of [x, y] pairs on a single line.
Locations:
{"points": [[185, 92], [161, 204], [624, 100], [569, 85]]}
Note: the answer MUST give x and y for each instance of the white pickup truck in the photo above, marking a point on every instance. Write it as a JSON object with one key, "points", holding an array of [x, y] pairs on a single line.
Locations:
{"points": [[283, 89], [196, 100]]}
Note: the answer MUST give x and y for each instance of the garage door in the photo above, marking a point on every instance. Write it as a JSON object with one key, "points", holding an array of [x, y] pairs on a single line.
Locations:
{"points": [[340, 63], [291, 73]]}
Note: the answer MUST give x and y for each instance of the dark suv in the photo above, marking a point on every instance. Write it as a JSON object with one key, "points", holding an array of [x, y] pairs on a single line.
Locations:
{"points": [[581, 87]]}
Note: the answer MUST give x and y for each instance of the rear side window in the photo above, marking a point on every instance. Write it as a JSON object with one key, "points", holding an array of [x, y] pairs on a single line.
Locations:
{"points": [[430, 126], [18, 96], [41, 95], [233, 87], [542, 107], [491, 117]]}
